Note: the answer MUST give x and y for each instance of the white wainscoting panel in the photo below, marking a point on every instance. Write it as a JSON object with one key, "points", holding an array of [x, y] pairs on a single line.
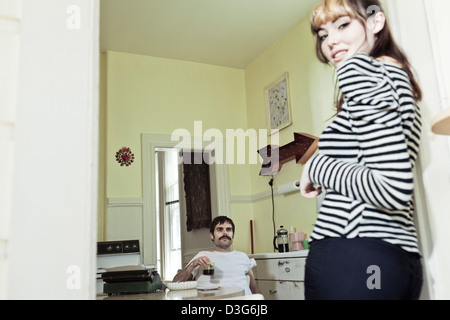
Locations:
{"points": [[124, 219]]}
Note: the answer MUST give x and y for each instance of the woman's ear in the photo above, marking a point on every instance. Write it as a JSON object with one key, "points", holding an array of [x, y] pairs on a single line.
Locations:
{"points": [[377, 22]]}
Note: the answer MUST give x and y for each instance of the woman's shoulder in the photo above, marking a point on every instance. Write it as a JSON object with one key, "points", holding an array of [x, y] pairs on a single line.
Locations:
{"points": [[362, 66], [366, 61], [360, 62], [361, 74]]}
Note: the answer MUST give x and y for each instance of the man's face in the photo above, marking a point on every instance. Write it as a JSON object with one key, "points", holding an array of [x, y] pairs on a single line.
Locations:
{"points": [[223, 235]]}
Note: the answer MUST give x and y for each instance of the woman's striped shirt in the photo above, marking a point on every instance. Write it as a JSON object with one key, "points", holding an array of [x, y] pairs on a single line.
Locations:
{"points": [[366, 156]]}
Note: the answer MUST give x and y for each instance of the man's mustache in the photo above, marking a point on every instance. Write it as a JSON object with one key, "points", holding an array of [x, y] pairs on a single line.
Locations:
{"points": [[224, 237]]}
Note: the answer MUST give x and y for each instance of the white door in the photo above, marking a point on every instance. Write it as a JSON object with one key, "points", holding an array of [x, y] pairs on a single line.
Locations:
{"points": [[49, 233]]}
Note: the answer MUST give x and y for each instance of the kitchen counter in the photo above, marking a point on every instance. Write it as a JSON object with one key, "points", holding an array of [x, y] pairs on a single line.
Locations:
{"points": [[277, 255], [192, 294]]}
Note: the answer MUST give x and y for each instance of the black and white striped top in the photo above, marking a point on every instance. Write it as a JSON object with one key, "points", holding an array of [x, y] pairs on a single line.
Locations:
{"points": [[366, 156]]}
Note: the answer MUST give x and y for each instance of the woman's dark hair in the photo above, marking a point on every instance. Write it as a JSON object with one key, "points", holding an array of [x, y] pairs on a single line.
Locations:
{"points": [[361, 10], [220, 220]]}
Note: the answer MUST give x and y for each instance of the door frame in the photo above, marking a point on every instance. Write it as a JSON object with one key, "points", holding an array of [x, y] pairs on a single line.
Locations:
{"points": [[151, 142], [52, 219], [419, 27]]}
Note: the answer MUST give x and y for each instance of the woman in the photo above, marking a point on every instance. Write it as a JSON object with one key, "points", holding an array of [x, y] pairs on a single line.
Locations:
{"points": [[364, 244]]}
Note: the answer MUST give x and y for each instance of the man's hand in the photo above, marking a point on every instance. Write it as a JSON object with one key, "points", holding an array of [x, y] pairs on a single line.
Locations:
{"points": [[186, 273], [201, 261]]}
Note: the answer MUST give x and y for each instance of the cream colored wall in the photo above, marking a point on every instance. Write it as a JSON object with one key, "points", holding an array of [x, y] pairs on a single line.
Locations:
{"points": [[10, 23], [157, 95], [311, 94]]}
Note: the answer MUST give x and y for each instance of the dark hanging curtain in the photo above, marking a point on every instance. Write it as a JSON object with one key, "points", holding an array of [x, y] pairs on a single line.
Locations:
{"points": [[197, 188]]}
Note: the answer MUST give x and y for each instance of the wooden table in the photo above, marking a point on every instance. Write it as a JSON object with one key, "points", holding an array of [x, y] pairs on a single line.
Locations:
{"points": [[192, 294]]}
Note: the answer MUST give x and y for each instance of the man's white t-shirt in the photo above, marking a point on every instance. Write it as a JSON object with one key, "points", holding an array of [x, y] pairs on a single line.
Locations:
{"points": [[230, 270]]}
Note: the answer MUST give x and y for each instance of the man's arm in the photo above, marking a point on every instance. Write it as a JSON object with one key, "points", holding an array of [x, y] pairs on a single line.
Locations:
{"points": [[253, 286], [186, 273]]}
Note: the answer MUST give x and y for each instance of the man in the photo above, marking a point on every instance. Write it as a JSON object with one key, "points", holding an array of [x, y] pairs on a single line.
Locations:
{"points": [[231, 268]]}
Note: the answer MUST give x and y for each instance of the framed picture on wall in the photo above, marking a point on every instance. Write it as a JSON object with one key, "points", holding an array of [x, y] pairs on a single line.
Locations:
{"points": [[278, 104]]}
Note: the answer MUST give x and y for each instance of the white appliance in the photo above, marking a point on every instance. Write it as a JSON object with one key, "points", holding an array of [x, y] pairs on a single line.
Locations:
{"points": [[112, 254]]}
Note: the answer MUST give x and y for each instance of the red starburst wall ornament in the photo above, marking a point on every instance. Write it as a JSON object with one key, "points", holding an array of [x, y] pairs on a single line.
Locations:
{"points": [[125, 157]]}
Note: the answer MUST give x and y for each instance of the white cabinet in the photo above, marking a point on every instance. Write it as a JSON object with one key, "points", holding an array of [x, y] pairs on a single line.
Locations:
{"points": [[281, 290], [280, 276]]}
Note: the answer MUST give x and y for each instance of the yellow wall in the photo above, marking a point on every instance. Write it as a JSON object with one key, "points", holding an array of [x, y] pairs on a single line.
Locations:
{"points": [[311, 93], [155, 95]]}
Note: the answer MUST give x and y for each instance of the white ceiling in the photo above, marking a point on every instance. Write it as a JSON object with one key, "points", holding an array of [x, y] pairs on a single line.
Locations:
{"points": [[221, 32]]}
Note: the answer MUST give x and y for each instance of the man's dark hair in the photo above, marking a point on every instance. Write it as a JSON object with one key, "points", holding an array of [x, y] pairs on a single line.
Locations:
{"points": [[220, 220]]}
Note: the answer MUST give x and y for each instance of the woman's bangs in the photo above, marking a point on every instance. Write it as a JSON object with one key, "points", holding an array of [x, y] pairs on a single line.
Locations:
{"points": [[330, 11]]}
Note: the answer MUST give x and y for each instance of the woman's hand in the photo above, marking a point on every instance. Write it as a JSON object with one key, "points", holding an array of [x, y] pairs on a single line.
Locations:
{"points": [[307, 188]]}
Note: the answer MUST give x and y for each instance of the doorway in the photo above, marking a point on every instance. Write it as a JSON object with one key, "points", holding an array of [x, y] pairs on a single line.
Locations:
{"points": [[194, 241], [168, 217], [186, 193]]}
